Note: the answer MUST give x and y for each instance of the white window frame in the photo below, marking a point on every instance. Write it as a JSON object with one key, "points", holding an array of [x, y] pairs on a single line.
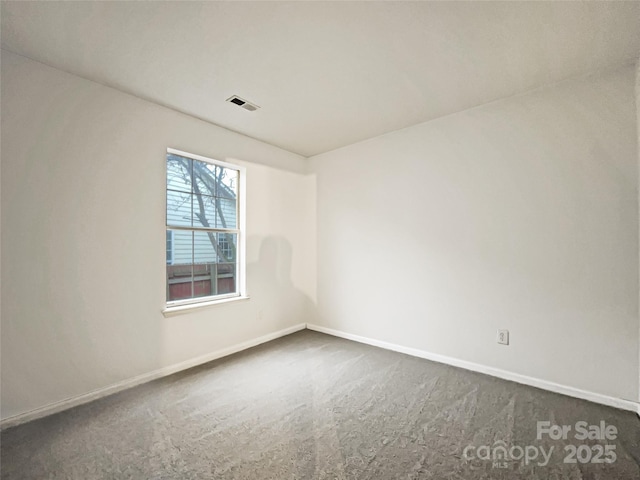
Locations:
{"points": [[241, 293]]}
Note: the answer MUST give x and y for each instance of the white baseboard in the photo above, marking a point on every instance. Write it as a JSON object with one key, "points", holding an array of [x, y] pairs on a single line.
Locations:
{"points": [[140, 379], [494, 372]]}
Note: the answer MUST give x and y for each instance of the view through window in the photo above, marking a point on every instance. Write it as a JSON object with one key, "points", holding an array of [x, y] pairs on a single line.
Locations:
{"points": [[202, 228]]}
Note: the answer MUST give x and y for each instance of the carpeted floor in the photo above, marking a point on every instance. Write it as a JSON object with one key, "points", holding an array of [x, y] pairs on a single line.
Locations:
{"points": [[310, 406]]}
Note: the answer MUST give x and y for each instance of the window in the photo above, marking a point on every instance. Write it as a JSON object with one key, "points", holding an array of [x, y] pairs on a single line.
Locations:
{"points": [[204, 229], [169, 247]]}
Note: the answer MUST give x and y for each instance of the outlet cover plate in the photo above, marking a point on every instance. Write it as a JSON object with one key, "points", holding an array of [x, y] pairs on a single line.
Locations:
{"points": [[503, 337]]}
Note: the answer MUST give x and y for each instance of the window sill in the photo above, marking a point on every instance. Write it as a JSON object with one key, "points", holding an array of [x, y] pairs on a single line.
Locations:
{"points": [[181, 309]]}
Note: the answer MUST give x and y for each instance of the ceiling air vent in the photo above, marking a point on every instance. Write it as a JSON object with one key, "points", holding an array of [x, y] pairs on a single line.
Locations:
{"points": [[243, 103]]}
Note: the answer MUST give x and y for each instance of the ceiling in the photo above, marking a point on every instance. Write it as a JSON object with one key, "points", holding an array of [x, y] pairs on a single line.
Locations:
{"points": [[325, 74]]}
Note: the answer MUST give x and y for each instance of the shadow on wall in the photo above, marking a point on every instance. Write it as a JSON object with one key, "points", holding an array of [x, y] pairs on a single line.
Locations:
{"points": [[273, 291]]}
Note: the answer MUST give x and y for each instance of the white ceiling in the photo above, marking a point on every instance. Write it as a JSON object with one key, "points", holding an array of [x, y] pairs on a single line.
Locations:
{"points": [[326, 74]]}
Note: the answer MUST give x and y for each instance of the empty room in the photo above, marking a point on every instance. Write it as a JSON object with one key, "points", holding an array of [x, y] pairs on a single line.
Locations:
{"points": [[319, 240]]}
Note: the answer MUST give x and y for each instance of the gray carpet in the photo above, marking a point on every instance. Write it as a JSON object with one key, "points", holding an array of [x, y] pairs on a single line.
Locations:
{"points": [[310, 406]]}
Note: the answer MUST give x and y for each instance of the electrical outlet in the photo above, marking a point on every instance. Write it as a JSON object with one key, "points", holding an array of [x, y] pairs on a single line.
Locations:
{"points": [[259, 314], [503, 337]]}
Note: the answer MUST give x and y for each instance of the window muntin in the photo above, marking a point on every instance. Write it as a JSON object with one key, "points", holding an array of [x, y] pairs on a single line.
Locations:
{"points": [[203, 229]]}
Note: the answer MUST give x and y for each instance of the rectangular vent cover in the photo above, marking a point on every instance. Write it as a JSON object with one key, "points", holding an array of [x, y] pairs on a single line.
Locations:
{"points": [[241, 102]]}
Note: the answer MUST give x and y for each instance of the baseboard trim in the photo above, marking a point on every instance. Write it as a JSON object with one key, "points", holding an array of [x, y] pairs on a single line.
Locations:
{"points": [[144, 378], [494, 372]]}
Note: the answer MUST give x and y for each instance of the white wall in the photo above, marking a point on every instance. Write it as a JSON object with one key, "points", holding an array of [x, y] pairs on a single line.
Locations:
{"points": [[520, 214], [83, 237], [638, 151]]}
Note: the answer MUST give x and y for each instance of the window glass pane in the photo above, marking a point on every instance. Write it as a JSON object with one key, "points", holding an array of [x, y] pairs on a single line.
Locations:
{"points": [[204, 247], [212, 271], [228, 183], [169, 247], [204, 271], [226, 278], [226, 249], [204, 211], [180, 272], [179, 173], [178, 209], [227, 243], [225, 213], [206, 178]]}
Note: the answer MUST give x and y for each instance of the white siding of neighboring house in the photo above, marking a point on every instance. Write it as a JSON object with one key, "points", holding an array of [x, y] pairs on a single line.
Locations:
{"points": [[203, 251]]}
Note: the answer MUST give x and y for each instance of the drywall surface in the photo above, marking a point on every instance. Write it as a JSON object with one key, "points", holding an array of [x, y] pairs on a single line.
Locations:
{"points": [[521, 214], [638, 151], [83, 240]]}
